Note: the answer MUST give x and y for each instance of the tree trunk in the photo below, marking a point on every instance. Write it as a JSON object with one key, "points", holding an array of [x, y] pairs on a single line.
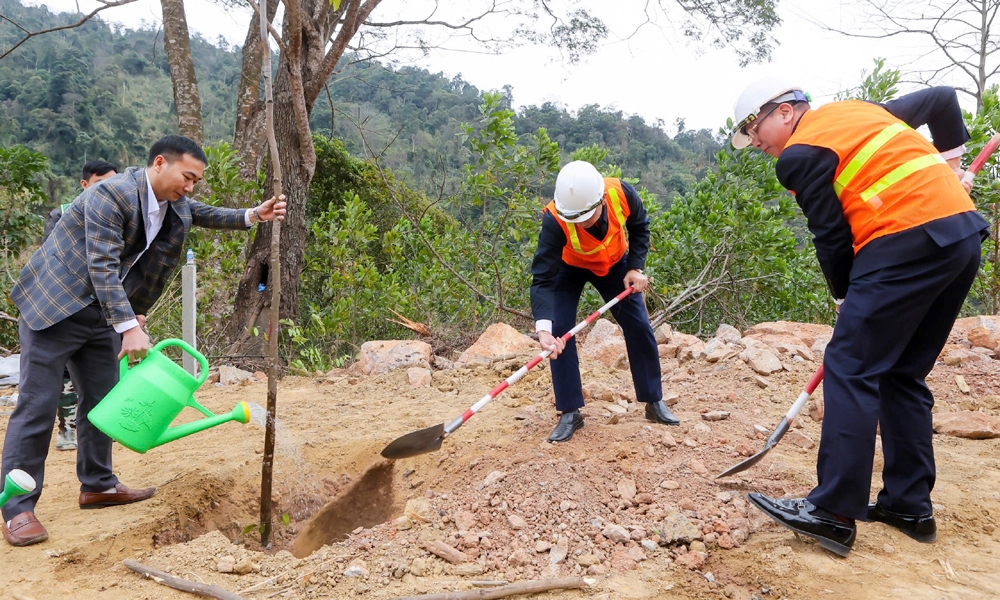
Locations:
{"points": [[177, 42], [249, 136], [251, 304]]}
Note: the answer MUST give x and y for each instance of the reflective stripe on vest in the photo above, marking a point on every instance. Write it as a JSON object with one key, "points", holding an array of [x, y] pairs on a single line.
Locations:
{"points": [[897, 174], [574, 238]]}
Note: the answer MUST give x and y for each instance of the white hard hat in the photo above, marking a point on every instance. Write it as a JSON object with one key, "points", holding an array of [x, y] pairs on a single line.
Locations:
{"points": [[579, 191], [763, 91]]}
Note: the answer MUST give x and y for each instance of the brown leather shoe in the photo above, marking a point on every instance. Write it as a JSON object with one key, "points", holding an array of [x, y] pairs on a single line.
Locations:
{"points": [[122, 496], [24, 530]]}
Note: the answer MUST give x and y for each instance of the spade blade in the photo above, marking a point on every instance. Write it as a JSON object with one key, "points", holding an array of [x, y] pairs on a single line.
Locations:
{"points": [[415, 443]]}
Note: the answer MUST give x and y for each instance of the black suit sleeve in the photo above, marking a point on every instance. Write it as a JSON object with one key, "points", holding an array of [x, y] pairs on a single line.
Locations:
{"points": [[545, 267], [809, 171], [637, 226], [936, 107]]}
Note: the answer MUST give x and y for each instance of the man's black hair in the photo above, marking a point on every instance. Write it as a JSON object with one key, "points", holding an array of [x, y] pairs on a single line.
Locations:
{"points": [[172, 147], [97, 167]]}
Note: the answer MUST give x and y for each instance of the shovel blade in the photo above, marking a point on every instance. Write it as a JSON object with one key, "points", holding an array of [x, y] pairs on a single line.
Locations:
{"points": [[779, 432], [746, 464], [415, 443]]}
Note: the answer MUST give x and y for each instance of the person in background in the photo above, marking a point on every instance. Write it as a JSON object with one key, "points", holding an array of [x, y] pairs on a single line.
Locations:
{"points": [[93, 172]]}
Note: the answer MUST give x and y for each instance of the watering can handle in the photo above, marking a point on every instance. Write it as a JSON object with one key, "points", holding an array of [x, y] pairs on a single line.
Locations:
{"points": [[187, 348]]}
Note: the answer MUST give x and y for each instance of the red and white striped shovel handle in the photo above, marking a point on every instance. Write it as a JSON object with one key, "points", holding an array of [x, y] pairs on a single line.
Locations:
{"points": [[514, 378], [983, 156]]}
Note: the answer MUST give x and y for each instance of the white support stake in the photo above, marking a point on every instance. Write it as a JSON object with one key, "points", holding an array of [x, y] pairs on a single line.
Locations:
{"points": [[189, 276]]}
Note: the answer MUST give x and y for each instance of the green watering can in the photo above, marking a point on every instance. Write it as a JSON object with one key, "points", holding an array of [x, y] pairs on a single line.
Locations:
{"points": [[17, 483], [138, 411]]}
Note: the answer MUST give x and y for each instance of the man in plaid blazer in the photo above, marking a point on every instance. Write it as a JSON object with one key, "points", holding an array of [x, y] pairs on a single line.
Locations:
{"points": [[83, 297]]}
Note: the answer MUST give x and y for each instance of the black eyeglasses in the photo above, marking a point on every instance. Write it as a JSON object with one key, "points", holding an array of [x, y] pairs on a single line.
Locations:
{"points": [[579, 213], [754, 122]]}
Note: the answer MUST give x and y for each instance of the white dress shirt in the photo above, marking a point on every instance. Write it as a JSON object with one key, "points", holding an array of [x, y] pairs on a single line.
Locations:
{"points": [[155, 214]]}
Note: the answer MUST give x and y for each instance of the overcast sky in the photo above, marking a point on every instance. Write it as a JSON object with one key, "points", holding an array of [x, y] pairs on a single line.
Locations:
{"points": [[654, 73]]}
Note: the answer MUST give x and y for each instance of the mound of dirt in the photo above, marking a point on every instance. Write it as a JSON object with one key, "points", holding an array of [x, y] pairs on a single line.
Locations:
{"points": [[631, 504]]}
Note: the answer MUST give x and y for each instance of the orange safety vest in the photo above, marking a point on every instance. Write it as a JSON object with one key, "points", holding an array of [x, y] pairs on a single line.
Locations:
{"points": [[587, 252], [890, 178]]}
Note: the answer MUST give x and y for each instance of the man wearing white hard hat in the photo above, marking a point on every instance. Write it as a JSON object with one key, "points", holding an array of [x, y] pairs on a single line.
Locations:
{"points": [[898, 239], [595, 230]]}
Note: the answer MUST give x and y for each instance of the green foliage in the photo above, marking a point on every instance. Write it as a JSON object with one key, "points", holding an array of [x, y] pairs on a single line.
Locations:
{"points": [[878, 86], [378, 248], [98, 91], [985, 295], [729, 234], [21, 195]]}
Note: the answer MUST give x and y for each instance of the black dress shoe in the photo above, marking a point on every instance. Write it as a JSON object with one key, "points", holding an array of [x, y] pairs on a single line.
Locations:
{"points": [[833, 532], [659, 411], [568, 423], [919, 527]]}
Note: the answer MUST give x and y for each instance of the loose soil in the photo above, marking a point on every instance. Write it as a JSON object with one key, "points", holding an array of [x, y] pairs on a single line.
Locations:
{"points": [[507, 499]]}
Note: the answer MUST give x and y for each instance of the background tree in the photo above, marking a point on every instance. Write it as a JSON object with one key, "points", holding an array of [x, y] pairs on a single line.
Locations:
{"points": [[177, 44], [961, 38]]}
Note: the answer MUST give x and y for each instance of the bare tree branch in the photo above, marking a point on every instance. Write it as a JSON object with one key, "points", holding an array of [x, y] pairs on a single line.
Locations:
{"points": [[959, 33], [30, 34]]}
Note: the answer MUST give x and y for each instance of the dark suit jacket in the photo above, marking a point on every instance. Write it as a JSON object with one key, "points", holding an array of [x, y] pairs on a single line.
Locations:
{"points": [[98, 239]]}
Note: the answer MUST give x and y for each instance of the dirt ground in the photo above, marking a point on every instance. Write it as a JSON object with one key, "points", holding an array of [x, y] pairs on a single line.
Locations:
{"points": [[509, 500]]}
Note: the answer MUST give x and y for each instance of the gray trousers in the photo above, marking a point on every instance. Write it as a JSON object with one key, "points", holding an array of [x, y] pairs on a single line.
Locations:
{"points": [[86, 345]]}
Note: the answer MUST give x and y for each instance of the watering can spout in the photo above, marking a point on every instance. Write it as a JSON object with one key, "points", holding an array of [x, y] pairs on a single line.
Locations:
{"points": [[240, 413]]}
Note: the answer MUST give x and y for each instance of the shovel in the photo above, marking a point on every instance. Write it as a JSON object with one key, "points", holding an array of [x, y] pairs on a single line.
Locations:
{"points": [[781, 429], [430, 439]]}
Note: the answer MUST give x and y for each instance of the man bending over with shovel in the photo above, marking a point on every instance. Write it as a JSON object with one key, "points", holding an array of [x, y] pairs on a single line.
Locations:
{"points": [[595, 230], [898, 239]]}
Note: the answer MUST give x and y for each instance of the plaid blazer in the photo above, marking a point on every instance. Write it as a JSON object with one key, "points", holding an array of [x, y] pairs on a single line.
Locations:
{"points": [[97, 240]]}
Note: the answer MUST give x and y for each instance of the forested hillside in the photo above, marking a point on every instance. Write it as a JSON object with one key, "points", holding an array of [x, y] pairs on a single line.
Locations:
{"points": [[97, 91]]}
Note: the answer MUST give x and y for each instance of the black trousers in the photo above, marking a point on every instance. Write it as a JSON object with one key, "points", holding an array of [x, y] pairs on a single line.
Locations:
{"points": [[86, 345], [640, 344], [892, 327]]}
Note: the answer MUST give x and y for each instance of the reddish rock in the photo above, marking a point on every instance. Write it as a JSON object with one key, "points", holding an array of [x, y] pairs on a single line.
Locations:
{"points": [[727, 334], [419, 376], [761, 360], [384, 356], [800, 439], [967, 424], [519, 558], [637, 554], [626, 487], [984, 337], [622, 561], [692, 560], [663, 334], [744, 450], [667, 350], [516, 522], [807, 332], [726, 542], [815, 409], [644, 498], [499, 340], [595, 390], [604, 344]]}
